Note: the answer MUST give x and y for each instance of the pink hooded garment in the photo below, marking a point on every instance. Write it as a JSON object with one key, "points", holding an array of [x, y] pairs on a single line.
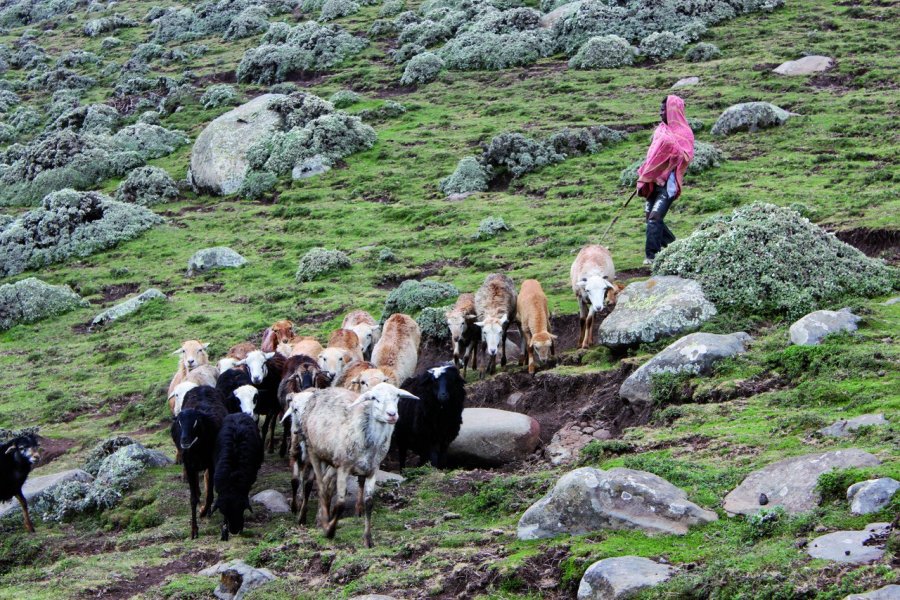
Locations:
{"points": [[672, 149]]}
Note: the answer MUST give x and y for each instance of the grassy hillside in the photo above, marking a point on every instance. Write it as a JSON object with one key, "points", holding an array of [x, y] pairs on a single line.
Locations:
{"points": [[837, 159]]}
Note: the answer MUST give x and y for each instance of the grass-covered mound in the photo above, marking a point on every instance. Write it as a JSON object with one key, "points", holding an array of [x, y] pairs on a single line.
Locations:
{"points": [[764, 259]]}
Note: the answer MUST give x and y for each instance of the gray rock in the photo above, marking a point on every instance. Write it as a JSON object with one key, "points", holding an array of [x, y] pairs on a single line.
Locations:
{"points": [[37, 486], [695, 353], [310, 167], [237, 579], [273, 500], [589, 499], [659, 307], [888, 592], [127, 307], [891, 301], [845, 427], [219, 156], [687, 81], [140, 453], [791, 483], [848, 546], [812, 329], [621, 577], [566, 443], [559, 13], [31, 300], [750, 116], [804, 66], [211, 258], [870, 496], [492, 437]]}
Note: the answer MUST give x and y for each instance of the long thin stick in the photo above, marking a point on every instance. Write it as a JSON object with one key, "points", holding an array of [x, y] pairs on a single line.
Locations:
{"points": [[616, 218]]}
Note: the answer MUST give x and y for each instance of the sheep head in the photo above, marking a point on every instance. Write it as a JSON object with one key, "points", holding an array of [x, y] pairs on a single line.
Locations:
{"points": [[442, 379], [382, 400], [367, 336], [283, 330], [457, 324], [333, 361], [256, 365], [26, 445], [596, 289], [542, 345], [193, 354], [246, 395], [176, 398], [492, 329], [368, 379]]}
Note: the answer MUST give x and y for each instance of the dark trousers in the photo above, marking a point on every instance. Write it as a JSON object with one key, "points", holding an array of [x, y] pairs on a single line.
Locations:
{"points": [[658, 235]]}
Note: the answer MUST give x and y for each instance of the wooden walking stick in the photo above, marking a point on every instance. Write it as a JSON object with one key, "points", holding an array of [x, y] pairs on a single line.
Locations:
{"points": [[616, 218]]}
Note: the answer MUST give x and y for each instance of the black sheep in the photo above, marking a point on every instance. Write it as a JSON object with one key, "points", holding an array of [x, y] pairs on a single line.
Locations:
{"points": [[16, 458], [300, 372], [231, 380], [267, 403], [427, 426], [194, 432], [239, 454]]}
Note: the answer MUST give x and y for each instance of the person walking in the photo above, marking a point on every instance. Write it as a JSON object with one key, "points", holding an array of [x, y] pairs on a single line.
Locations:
{"points": [[661, 176]]}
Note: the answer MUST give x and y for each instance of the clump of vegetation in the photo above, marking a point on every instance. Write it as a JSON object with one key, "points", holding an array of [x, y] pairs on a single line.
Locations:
{"points": [[334, 9], [517, 155], [433, 323], [706, 156], [661, 45], [764, 523], [583, 140], [219, 95], [702, 52], [307, 47], [69, 223], [147, 186], [319, 261], [763, 259], [599, 450], [102, 450], [258, 184], [386, 255], [469, 176], [251, 21], [604, 52], [422, 68], [412, 296], [31, 300], [391, 8], [670, 387], [96, 27], [344, 98], [484, 50], [489, 227], [833, 485]]}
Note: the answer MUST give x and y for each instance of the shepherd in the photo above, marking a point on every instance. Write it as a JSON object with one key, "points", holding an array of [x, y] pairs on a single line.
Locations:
{"points": [[661, 176]]}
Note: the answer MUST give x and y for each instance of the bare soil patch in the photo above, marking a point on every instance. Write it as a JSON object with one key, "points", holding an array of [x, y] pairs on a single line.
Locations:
{"points": [[118, 290], [53, 448], [147, 577], [879, 243]]}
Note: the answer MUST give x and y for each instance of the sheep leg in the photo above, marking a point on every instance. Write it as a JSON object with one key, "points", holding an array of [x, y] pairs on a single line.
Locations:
{"points": [[532, 367], [323, 491], [338, 502], [284, 438], [208, 481], [589, 331], [307, 490], [401, 455], [178, 458], [473, 348], [503, 345], [28, 524], [194, 485], [367, 487], [269, 430]]}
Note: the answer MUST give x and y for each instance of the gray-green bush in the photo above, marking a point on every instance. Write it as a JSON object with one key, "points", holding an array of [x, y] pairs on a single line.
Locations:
{"points": [[433, 323], [344, 98], [489, 227], [469, 176], [412, 296], [422, 68], [604, 52], [147, 186], [31, 300], [518, 155], [702, 52], [764, 259], [335, 9], [219, 95], [251, 21], [257, 184], [661, 45], [319, 261]]}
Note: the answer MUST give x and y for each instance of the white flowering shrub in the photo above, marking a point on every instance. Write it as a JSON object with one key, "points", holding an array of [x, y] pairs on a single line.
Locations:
{"points": [[109, 43], [702, 52], [765, 259], [583, 140], [391, 8], [706, 156], [406, 52], [491, 51], [251, 21], [661, 45], [433, 323], [319, 261], [95, 27], [257, 184], [219, 95], [147, 186], [469, 176], [31, 300], [299, 108], [334, 9], [422, 68], [604, 52]]}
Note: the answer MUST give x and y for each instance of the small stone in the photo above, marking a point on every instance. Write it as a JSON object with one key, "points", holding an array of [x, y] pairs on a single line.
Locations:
{"points": [[127, 307], [602, 434], [804, 66], [587, 430], [686, 81], [814, 327], [514, 399], [845, 427], [763, 499], [451, 516], [621, 577], [888, 592], [881, 373], [310, 167], [212, 258], [870, 496], [273, 500]]}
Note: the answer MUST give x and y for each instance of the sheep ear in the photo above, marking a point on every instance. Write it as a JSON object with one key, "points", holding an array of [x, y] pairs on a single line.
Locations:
{"points": [[406, 395], [204, 346], [179, 351], [479, 323], [10, 450], [269, 355]]}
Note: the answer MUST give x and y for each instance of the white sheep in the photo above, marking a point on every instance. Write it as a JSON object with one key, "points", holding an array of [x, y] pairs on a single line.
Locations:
{"points": [[592, 275]]}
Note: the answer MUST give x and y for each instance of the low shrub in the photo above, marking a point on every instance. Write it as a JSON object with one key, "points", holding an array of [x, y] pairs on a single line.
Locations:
{"points": [[251, 21], [219, 95], [257, 185], [334, 9], [702, 52], [517, 154], [319, 261], [391, 8], [433, 323], [31, 300], [749, 116], [344, 98], [583, 140], [661, 45], [764, 259], [490, 226], [95, 27], [147, 186], [406, 52], [604, 52], [469, 176], [473, 51], [422, 68], [706, 156], [412, 296]]}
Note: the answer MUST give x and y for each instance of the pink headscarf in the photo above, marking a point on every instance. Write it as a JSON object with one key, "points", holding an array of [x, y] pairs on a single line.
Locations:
{"points": [[672, 149]]}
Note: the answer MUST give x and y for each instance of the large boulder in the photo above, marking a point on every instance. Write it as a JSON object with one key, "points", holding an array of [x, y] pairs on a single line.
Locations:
{"points": [[237, 579], [219, 157], [870, 496], [812, 329], [589, 499], [844, 427], [656, 308], [37, 486], [621, 577], [214, 258], [888, 592], [850, 546], [685, 82], [791, 483], [142, 454], [127, 307], [491, 437], [695, 353], [31, 300], [749, 116], [804, 66], [549, 20]]}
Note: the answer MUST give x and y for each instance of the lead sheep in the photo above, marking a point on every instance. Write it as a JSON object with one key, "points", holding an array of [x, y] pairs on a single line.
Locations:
{"points": [[350, 433], [465, 335], [592, 275], [366, 328], [495, 304], [397, 352], [534, 322]]}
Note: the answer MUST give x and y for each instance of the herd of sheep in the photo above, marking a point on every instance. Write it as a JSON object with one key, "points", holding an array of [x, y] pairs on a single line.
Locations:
{"points": [[344, 405]]}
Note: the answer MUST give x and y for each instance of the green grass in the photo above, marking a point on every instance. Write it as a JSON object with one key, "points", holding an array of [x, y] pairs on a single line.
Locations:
{"points": [[834, 159]]}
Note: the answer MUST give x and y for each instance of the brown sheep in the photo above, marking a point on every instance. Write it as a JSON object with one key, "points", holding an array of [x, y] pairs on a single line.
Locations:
{"points": [[363, 325], [306, 345], [397, 352], [359, 376], [534, 321], [281, 332], [495, 303], [464, 333], [193, 354]]}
